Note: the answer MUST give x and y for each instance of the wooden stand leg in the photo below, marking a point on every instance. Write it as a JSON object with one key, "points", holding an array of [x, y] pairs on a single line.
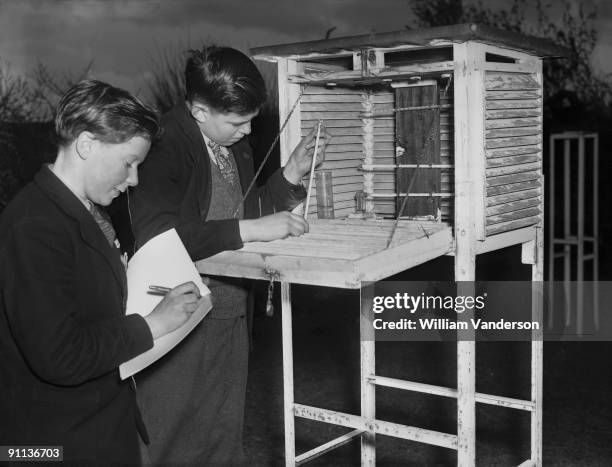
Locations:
{"points": [[465, 274], [288, 374], [470, 196], [368, 368], [533, 253], [537, 356], [537, 350], [466, 392]]}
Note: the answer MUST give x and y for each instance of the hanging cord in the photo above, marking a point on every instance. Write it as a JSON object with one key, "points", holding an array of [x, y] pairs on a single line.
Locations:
{"points": [[265, 159], [416, 169]]}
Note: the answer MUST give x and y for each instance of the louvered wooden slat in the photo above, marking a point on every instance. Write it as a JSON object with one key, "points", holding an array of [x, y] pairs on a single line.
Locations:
{"points": [[512, 94], [337, 107], [336, 90], [320, 98], [338, 156], [511, 113], [513, 104], [348, 187], [352, 172], [348, 204], [381, 139], [511, 122], [514, 215], [340, 140], [334, 132], [493, 143], [331, 155], [493, 229], [331, 123], [513, 196], [346, 148], [513, 132], [343, 163], [384, 122], [513, 178], [517, 151], [512, 160], [513, 169], [522, 205], [330, 115], [511, 187], [510, 81]]}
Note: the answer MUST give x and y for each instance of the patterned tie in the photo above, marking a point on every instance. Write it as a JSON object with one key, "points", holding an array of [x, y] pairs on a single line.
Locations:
{"points": [[104, 222], [223, 161]]}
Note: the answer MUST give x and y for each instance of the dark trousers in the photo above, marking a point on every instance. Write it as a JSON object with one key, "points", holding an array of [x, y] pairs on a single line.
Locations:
{"points": [[193, 399]]}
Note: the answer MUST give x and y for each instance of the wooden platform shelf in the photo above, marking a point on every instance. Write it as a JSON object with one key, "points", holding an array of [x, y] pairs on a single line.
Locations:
{"points": [[340, 253]]}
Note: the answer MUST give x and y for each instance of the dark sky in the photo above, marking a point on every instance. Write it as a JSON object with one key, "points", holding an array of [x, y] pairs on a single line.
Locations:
{"points": [[122, 36]]}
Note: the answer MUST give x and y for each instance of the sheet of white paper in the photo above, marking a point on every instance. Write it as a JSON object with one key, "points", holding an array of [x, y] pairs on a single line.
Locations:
{"points": [[163, 261]]}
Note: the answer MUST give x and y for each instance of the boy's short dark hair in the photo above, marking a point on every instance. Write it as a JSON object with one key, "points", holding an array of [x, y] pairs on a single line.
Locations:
{"points": [[112, 114], [225, 79]]}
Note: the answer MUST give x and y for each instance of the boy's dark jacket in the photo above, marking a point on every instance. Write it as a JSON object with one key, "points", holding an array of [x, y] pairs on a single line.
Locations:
{"points": [[63, 330]]}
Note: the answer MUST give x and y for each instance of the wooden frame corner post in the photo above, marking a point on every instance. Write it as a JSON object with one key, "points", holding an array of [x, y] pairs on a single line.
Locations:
{"points": [[368, 369], [287, 335], [469, 209]]}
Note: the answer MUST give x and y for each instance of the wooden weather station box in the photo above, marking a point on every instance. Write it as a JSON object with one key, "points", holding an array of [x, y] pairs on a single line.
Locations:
{"points": [[441, 128], [436, 150]]}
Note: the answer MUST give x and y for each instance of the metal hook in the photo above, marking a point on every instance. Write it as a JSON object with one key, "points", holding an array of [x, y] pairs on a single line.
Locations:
{"points": [[274, 276]]}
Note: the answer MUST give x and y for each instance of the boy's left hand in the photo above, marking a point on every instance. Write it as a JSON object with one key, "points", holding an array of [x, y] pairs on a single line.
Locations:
{"points": [[300, 161]]}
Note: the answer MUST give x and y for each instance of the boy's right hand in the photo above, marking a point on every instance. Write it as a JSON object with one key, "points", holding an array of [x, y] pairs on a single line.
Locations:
{"points": [[272, 227], [175, 308]]}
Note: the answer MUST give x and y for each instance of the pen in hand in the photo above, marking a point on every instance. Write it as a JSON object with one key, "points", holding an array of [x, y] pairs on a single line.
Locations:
{"points": [[158, 290], [174, 309]]}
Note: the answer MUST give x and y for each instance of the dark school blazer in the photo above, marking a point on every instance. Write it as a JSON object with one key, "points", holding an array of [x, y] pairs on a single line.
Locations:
{"points": [[175, 186], [63, 331]]}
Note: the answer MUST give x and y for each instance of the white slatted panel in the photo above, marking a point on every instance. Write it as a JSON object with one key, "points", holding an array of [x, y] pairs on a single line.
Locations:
{"points": [[384, 150], [513, 131], [447, 156], [340, 109]]}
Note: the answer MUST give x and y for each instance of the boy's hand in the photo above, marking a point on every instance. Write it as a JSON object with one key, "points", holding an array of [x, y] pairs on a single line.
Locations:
{"points": [[272, 227], [176, 308], [300, 161]]}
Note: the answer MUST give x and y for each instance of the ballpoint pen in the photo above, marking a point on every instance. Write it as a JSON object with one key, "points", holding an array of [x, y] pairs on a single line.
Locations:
{"points": [[158, 290]]}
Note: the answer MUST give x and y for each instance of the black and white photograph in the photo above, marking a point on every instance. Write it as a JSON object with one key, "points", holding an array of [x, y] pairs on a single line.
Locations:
{"points": [[326, 232]]}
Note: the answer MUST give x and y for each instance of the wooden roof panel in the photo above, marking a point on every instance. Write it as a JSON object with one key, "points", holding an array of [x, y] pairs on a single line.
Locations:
{"points": [[426, 37]]}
